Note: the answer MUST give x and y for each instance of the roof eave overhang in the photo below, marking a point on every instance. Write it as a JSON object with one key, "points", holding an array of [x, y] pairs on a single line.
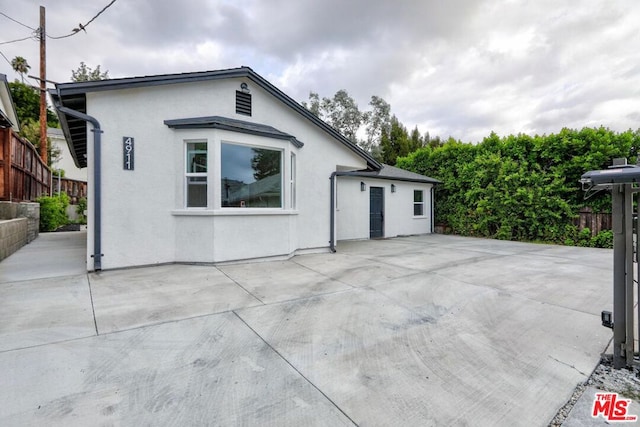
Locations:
{"points": [[76, 141], [374, 175], [202, 123], [76, 89], [5, 122]]}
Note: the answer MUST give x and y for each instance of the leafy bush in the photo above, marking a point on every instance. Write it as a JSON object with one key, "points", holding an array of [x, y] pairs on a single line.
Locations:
{"points": [[53, 211], [584, 237], [603, 239], [521, 187], [80, 209]]}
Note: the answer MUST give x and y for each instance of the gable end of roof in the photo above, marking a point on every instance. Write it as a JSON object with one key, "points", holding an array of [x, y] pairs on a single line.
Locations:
{"points": [[74, 93]]}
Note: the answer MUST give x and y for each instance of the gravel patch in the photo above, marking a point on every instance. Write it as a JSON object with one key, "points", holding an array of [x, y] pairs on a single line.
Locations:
{"points": [[625, 382]]}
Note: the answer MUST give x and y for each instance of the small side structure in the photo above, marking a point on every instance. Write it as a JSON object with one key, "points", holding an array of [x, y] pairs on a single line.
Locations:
{"points": [[23, 178], [222, 166]]}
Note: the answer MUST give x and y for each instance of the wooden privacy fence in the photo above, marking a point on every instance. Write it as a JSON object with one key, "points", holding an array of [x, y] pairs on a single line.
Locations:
{"points": [[595, 221], [23, 175], [75, 189]]}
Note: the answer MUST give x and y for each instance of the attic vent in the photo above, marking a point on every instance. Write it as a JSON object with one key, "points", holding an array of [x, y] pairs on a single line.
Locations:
{"points": [[243, 103]]}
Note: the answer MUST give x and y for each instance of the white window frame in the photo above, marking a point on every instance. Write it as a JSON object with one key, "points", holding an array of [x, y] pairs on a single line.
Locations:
{"points": [[188, 175], [292, 180], [421, 204]]}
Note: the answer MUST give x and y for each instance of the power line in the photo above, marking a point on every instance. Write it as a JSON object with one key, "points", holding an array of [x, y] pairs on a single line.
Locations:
{"points": [[6, 59], [18, 40], [17, 22], [82, 27]]}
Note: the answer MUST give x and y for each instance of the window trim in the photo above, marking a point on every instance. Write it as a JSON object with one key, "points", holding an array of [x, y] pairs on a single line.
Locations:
{"points": [[418, 203], [292, 180]]}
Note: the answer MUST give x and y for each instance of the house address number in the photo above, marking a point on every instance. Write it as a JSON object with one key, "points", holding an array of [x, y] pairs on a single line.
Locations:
{"points": [[127, 153]]}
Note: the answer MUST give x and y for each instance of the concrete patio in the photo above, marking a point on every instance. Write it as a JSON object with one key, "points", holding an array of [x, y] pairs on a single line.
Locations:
{"points": [[424, 330]]}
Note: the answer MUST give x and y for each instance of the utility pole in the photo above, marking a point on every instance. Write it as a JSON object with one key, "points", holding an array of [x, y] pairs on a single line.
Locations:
{"points": [[43, 86]]}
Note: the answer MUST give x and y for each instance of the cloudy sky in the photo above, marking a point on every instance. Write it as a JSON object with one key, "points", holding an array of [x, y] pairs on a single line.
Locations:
{"points": [[460, 68]]}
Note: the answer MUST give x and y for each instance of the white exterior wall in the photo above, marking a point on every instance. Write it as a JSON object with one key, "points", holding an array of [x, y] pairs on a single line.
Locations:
{"points": [[6, 105], [143, 216], [65, 162], [352, 208]]}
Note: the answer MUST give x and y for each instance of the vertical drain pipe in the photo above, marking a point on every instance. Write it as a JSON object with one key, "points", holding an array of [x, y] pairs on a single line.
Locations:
{"points": [[97, 196], [332, 215], [431, 204]]}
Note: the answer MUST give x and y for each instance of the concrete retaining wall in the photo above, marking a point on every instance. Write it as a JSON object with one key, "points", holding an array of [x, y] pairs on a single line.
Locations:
{"points": [[30, 211], [19, 225], [13, 235]]}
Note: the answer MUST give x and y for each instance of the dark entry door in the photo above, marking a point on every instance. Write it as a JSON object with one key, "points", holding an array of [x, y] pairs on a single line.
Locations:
{"points": [[376, 212]]}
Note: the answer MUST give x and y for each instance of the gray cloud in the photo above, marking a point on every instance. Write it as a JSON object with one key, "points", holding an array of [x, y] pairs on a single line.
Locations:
{"points": [[461, 68]]}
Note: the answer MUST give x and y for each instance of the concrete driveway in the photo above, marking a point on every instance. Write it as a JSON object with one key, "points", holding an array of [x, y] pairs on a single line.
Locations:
{"points": [[428, 330]]}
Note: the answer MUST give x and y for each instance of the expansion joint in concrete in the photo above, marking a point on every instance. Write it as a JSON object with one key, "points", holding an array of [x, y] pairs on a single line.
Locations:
{"points": [[295, 369], [93, 310]]}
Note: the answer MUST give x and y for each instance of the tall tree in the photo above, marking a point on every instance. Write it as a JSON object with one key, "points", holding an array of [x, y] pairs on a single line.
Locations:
{"points": [[415, 140], [27, 102], [20, 66], [395, 143], [377, 120], [314, 103], [343, 114], [84, 73]]}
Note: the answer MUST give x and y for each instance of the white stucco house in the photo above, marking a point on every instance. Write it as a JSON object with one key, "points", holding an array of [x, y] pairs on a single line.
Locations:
{"points": [[65, 160], [220, 166], [8, 116]]}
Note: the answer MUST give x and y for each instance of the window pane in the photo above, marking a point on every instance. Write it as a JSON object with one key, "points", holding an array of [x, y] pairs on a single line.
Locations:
{"points": [[196, 157], [251, 177], [417, 196], [197, 191], [418, 209]]}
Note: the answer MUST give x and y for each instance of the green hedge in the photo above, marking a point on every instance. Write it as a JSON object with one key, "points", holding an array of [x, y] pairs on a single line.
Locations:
{"points": [[53, 211], [80, 210], [521, 187]]}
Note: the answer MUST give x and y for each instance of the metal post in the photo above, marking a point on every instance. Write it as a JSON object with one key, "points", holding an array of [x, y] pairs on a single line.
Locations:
{"points": [[43, 87], [619, 265], [97, 198], [635, 272], [628, 308]]}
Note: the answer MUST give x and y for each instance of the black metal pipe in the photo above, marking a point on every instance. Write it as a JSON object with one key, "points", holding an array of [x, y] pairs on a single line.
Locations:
{"points": [[97, 193], [619, 267], [431, 204], [332, 215]]}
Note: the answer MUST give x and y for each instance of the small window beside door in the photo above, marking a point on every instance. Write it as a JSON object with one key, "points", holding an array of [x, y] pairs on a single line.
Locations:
{"points": [[418, 203]]}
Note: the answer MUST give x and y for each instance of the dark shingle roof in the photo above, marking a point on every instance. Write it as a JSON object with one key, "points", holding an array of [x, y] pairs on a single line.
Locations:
{"points": [[217, 122], [394, 173]]}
